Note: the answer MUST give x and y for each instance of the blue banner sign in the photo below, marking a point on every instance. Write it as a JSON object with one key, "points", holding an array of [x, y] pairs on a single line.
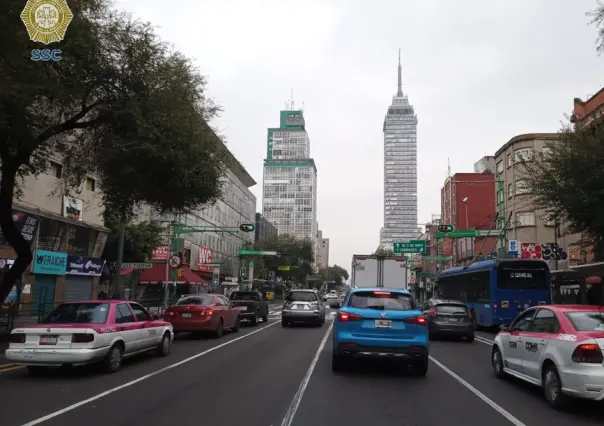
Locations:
{"points": [[50, 262], [82, 265]]}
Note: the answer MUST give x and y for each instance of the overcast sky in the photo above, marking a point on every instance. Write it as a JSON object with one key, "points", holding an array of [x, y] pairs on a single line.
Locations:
{"points": [[477, 72]]}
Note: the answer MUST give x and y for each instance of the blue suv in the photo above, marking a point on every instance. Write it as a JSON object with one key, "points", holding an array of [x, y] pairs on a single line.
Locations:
{"points": [[380, 323]]}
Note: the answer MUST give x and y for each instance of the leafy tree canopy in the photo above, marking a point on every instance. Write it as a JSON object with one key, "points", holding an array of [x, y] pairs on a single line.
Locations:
{"points": [[334, 273], [296, 253], [140, 239], [597, 16], [568, 182], [383, 252]]}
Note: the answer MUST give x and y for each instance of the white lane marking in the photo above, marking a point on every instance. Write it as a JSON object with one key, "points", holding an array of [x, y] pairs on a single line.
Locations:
{"points": [[140, 379], [508, 416], [483, 340], [293, 407]]}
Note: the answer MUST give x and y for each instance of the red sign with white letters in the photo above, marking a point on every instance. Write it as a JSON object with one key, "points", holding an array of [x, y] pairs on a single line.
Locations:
{"points": [[204, 255]]}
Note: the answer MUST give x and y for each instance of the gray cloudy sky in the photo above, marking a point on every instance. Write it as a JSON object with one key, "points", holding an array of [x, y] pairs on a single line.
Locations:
{"points": [[477, 72]]}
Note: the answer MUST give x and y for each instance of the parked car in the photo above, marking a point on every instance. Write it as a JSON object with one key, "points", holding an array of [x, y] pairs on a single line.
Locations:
{"points": [[251, 304], [380, 323], [449, 318], [303, 306], [201, 313], [87, 332]]}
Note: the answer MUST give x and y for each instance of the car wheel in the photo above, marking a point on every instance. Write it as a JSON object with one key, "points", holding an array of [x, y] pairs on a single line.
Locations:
{"points": [[284, 324], [113, 360], [219, 330], [338, 364], [254, 320], [237, 324], [319, 323], [470, 338], [552, 389], [420, 368], [497, 363], [36, 369], [163, 348], [265, 318]]}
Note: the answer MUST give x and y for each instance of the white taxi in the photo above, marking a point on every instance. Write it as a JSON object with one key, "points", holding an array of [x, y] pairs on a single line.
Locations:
{"points": [[87, 332], [557, 347]]}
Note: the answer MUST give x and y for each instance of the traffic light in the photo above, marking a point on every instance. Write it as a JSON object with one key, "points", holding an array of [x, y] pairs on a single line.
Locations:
{"points": [[242, 272], [247, 227], [446, 228]]}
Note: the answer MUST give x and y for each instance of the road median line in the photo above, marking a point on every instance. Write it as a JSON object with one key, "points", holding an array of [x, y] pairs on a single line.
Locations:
{"points": [[6, 367]]}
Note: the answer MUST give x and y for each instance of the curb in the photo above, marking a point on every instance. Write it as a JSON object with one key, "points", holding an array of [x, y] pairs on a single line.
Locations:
{"points": [[5, 367]]}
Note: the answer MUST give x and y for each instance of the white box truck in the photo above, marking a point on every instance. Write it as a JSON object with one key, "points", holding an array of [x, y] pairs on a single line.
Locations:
{"points": [[378, 271]]}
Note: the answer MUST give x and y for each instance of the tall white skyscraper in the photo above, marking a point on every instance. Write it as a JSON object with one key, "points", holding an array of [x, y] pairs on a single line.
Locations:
{"points": [[400, 169]]}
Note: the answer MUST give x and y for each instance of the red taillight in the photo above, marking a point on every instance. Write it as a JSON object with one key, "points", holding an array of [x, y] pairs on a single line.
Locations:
{"points": [[171, 313], [16, 338], [206, 313], [421, 320], [382, 293], [469, 315], [588, 353], [433, 312], [82, 338], [346, 316]]}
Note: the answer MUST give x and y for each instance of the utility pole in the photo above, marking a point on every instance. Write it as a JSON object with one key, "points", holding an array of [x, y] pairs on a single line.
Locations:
{"points": [[167, 270]]}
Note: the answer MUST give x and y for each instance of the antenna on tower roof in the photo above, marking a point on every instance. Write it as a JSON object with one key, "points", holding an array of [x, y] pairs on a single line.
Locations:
{"points": [[448, 167]]}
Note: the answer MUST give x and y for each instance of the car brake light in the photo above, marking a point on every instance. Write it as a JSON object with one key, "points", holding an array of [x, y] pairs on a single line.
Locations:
{"points": [[421, 320], [382, 293], [469, 315], [346, 316], [16, 338], [171, 313], [588, 353], [433, 312], [206, 313], [82, 338]]}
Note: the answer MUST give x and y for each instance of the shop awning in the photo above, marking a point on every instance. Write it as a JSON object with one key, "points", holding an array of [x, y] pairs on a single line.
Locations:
{"points": [[157, 275]]}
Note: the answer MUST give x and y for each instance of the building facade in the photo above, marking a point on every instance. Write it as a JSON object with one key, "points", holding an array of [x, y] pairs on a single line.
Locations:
{"points": [[400, 170], [264, 229], [323, 254], [485, 165], [529, 231], [67, 239], [289, 196], [468, 202]]}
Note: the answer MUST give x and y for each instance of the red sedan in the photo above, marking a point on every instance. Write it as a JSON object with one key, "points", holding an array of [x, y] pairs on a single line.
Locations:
{"points": [[202, 313]]}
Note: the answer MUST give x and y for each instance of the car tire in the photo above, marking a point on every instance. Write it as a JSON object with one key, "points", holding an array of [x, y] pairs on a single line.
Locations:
{"points": [[36, 370], [254, 320], [219, 330], [497, 363], [552, 389], [338, 364], [323, 320], [237, 325], [284, 324], [265, 318], [163, 348], [319, 323], [113, 360], [470, 338], [420, 368]]}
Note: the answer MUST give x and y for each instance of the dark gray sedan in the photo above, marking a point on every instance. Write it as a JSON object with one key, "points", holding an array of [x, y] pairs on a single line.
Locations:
{"points": [[449, 318]]}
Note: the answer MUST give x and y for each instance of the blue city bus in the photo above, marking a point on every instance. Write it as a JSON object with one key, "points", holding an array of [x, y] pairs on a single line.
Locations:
{"points": [[496, 291]]}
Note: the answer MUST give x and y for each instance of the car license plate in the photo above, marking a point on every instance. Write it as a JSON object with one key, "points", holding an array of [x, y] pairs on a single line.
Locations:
{"points": [[383, 324], [186, 315], [48, 340], [453, 319], [241, 308]]}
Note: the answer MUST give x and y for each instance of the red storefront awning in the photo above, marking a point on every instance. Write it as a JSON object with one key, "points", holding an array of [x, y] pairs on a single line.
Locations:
{"points": [[157, 275]]}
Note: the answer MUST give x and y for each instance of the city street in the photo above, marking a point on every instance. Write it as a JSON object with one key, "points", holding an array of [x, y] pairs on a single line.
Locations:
{"points": [[269, 375]]}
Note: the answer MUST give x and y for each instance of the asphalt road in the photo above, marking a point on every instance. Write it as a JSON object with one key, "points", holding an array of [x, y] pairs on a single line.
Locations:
{"points": [[273, 376]]}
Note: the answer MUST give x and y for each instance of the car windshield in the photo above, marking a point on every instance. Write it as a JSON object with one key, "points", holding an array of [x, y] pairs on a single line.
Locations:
{"points": [[301, 296], [245, 295], [78, 313], [196, 300], [381, 300], [451, 308], [587, 321]]}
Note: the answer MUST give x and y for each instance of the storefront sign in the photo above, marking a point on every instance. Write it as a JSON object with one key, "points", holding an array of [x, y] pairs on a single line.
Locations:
{"points": [[26, 223], [160, 253], [73, 208], [80, 265], [50, 262], [204, 255]]}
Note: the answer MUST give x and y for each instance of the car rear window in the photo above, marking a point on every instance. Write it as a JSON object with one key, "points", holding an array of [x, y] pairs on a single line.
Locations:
{"points": [[244, 295], [302, 296], [451, 308], [78, 313], [381, 300], [587, 321], [196, 300]]}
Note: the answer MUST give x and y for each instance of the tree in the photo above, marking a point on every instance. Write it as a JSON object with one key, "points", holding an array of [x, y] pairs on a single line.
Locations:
{"points": [[383, 252], [140, 239], [117, 95], [597, 18], [334, 273], [296, 253], [568, 182]]}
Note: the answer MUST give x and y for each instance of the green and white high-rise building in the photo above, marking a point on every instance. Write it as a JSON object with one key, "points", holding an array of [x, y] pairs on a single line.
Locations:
{"points": [[289, 196]]}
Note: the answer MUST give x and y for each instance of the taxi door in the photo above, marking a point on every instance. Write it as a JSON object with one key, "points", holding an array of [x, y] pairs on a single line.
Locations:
{"points": [[149, 333], [543, 327], [513, 355], [128, 328]]}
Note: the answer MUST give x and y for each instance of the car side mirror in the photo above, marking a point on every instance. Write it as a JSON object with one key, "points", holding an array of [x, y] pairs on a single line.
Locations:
{"points": [[154, 317], [325, 299], [504, 327], [334, 305]]}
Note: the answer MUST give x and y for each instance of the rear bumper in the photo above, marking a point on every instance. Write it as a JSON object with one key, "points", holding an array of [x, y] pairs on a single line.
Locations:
{"points": [[192, 324], [56, 357], [585, 382], [300, 316], [452, 329], [408, 353]]}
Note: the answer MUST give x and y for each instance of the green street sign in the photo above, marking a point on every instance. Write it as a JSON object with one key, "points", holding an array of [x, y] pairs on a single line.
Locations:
{"points": [[412, 246], [256, 253], [467, 233]]}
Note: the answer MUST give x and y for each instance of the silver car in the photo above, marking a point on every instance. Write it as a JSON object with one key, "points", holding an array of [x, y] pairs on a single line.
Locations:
{"points": [[303, 306]]}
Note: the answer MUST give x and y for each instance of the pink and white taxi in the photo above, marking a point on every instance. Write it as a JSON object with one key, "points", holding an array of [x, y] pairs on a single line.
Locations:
{"points": [[557, 347], [87, 332]]}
